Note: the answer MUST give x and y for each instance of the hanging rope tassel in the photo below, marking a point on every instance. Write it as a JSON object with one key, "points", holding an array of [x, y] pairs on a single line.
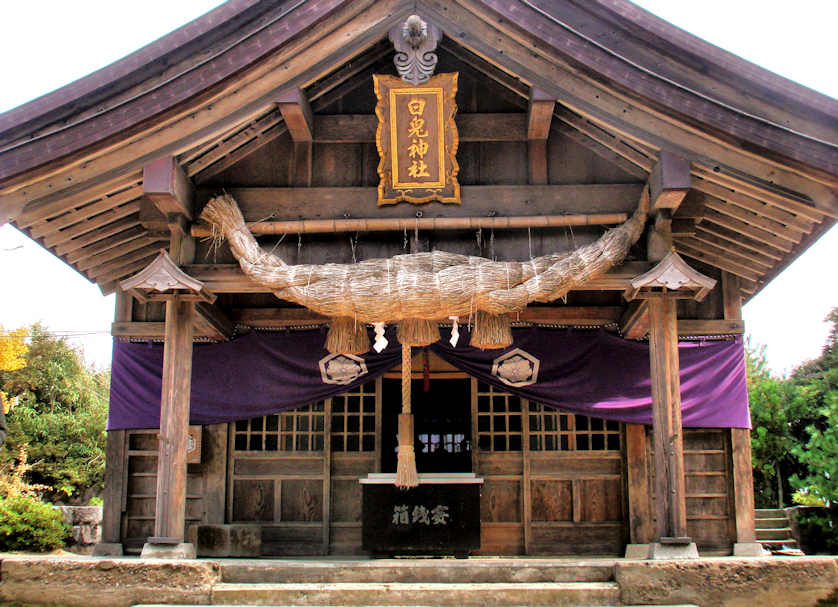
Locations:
{"points": [[406, 475]]}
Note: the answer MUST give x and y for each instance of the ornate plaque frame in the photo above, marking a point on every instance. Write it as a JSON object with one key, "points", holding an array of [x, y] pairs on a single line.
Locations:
{"points": [[405, 174]]}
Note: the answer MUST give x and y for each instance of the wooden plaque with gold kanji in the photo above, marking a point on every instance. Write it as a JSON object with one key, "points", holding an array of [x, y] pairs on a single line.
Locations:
{"points": [[417, 140]]}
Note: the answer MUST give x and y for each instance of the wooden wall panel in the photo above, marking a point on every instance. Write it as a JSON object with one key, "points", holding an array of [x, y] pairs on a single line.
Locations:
{"points": [[302, 500], [253, 500], [552, 501], [709, 496], [501, 502]]}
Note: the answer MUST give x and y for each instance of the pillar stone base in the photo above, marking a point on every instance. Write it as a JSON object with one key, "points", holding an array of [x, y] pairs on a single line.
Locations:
{"points": [[107, 549], [168, 551], [749, 549], [663, 552], [637, 552]]}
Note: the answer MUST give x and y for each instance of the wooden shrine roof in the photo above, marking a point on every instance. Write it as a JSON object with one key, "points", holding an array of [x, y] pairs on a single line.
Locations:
{"points": [[763, 150]]}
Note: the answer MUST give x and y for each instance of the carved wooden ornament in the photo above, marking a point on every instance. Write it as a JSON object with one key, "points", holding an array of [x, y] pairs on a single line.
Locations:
{"points": [[417, 140], [672, 274], [163, 275]]}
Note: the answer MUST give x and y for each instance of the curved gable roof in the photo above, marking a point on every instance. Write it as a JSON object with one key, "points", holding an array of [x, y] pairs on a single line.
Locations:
{"points": [[617, 71]]}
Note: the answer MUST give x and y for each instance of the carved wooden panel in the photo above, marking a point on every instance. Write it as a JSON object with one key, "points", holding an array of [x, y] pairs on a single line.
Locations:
{"points": [[552, 501], [302, 500], [253, 500], [501, 502]]}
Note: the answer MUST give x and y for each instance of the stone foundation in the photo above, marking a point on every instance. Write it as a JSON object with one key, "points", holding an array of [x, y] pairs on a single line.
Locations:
{"points": [[86, 522], [728, 582]]}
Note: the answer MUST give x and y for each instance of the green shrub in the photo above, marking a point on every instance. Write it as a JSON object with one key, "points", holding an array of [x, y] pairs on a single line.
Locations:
{"points": [[29, 524]]}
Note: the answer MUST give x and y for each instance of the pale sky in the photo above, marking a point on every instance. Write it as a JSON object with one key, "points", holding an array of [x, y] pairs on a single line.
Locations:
{"points": [[47, 44]]}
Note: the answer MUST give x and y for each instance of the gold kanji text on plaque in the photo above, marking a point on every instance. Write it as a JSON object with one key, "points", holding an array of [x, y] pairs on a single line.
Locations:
{"points": [[417, 140]]}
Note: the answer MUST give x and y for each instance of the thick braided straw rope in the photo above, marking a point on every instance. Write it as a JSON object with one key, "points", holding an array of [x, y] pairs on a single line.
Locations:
{"points": [[421, 286]]}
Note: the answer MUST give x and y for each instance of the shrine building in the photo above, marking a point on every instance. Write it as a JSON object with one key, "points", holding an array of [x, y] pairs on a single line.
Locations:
{"points": [[426, 278]]}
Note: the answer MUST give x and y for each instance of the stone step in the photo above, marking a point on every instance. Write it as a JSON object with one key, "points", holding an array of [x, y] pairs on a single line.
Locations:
{"points": [[770, 513], [772, 523], [567, 594], [774, 534], [414, 571], [778, 544]]}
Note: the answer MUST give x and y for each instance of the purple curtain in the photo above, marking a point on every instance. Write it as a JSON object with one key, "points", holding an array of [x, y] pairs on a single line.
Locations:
{"points": [[588, 372]]}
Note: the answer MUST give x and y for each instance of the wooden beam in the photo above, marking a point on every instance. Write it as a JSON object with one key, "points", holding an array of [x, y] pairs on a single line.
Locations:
{"points": [[229, 278], [96, 236], [540, 114], [669, 181], [600, 150], [57, 204], [123, 237], [489, 201], [212, 321], [560, 315], [117, 253], [253, 130], [76, 216], [793, 235], [723, 263], [748, 203], [634, 323], [389, 224], [360, 128], [731, 223], [765, 192], [724, 235], [297, 114], [670, 488], [89, 225], [745, 260], [711, 237], [166, 184], [689, 327], [606, 139], [683, 227]]}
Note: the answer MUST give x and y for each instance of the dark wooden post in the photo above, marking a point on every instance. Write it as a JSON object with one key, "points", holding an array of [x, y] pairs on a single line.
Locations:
{"points": [[114, 498], [170, 511], [671, 538], [640, 509], [740, 441]]}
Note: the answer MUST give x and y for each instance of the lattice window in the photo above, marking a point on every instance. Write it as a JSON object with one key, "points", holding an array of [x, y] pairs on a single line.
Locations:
{"points": [[552, 430], [353, 420], [292, 431], [498, 420]]}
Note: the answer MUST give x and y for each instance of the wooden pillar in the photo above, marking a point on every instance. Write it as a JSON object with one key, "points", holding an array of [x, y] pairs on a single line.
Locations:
{"points": [[170, 512], [670, 502], [115, 469], [740, 441], [637, 472]]}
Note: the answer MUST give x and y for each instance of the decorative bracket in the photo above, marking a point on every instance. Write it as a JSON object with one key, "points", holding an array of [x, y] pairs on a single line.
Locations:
{"points": [[163, 275], [670, 274], [415, 41]]}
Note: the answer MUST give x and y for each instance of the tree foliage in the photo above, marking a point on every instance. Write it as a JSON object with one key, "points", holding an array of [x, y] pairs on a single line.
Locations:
{"points": [[795, 419], [816, 387], [59, 417], [777, 429]]}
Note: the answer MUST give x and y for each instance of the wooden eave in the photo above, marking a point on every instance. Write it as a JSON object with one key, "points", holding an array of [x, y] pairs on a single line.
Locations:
{"points": [[763, 150]]}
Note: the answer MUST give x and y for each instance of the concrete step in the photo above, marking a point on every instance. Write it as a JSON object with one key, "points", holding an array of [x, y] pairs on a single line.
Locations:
{"points": [[567, 594], [770, 513], [774, 534], [414, 571], [772, 523]]}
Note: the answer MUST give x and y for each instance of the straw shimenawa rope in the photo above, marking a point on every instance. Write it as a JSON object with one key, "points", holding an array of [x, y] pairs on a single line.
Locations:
{"points": [[422, 286], [419, 289]]}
